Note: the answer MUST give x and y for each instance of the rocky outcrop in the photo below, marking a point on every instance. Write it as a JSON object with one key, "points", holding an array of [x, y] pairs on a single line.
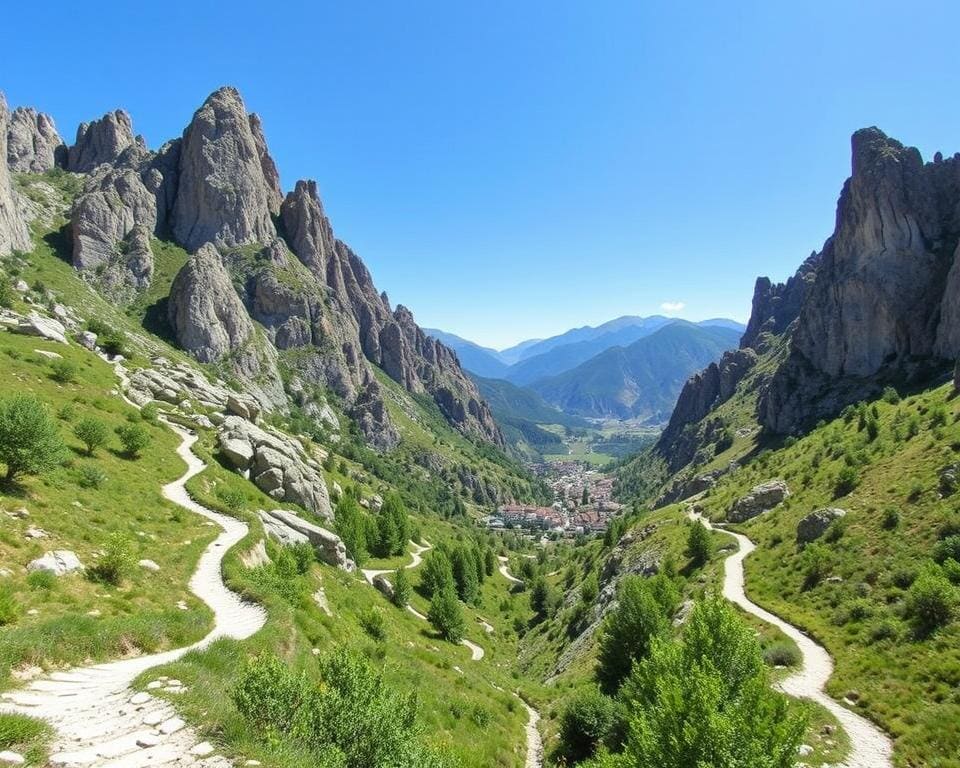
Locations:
{"points": [[43, 327], [33, 144], [777, 305], [101, 141], [289, 529], [13, 230], [814, 525], [881, 307], [761, 498], [223, 195], [277, 465], [59, 562], [389, 339]]}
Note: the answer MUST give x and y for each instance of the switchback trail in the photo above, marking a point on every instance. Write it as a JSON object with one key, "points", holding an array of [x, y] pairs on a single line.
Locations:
{"points": [[98, 720], [869, 746]]}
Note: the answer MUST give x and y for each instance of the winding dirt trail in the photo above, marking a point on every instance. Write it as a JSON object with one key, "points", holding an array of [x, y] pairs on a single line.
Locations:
{"points": [[869, 746], [98, 720], [505, 572]]}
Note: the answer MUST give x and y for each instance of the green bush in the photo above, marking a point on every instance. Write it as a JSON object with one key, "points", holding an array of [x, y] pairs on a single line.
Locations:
{"points": [[699, 545], [437, 573], [816, 565], [91, 476], [374, 624], [232, 498], [891, 518], [445, 614], [150, 412], [584, 725], [947, 549], [9, 607], [92, 432], [951, 569], [847, 481], [589, 589], [134, 438], [7, 293], [350, 525], [41, 580], [63, 371], [401, 588], [891, 396], [931, 602], [30, 442], [781, 654], [116, 563]]}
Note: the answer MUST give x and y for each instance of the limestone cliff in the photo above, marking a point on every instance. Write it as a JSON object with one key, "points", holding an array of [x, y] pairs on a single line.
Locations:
{"points": [[13, 231]]}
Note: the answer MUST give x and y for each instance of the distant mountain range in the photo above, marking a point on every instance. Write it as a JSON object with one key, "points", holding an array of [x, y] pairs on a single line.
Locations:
{"points": [[580, 373]]}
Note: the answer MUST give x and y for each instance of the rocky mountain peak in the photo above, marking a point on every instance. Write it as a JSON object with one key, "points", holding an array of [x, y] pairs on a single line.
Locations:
{"points": [[33, 143], [224, 194], [101, 141]]}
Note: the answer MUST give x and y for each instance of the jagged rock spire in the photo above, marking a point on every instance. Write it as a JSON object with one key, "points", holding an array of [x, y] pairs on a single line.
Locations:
{"points": [[101, 141], [13, 230], [33, 144]]}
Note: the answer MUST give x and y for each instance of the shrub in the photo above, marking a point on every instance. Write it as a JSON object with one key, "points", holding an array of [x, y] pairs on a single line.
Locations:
{"points": [[835, 530], [584, 725], [891, 518], [816, 565], [883, 629], [708, 695], [464, 568], [643, 612], [931, 602], [63, 371], [891, 396], [30, 442], [91, 476], [699, 545], [401, 588], [150, 412], [92, 432], [303, 555], [115, 563], [947, 549], [781, 654], [6, 292], [847, 481], [109, 339], [350, 525], [374, 624], [589, 589], [903, 577], [951, 569], [445, 614], [134, 438], [41, 580], [437, 572], [9, 607], [232, 498]]}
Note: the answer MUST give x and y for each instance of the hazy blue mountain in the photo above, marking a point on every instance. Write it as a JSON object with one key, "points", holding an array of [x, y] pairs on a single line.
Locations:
{"points": [[511, 355], [641, 380], [482, 361], [589, 332]]}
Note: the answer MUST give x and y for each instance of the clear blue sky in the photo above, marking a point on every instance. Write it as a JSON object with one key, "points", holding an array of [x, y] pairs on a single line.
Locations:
{"points": [[511, 169]]}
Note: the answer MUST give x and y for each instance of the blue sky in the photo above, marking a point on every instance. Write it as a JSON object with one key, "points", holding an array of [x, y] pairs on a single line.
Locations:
{"points": [[511, 169]]}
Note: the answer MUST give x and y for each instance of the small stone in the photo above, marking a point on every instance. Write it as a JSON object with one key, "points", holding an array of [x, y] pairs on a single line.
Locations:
{"points": [[174, 683], [95, 612], [8, 757], [36, 533], [154, 684], [804, 749], [202, 749], [148, 740], [32, 612], [48, 354], [140, 698], [252, 762], [148, 565], [152, 718], [20, 513], [172, 725]]}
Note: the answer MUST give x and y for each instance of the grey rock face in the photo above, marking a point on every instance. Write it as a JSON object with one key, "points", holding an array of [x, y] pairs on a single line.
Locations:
{"points": [[762, 498], [777, 305], [277, 465], [814, 525], [882, 304], [43, 327], [223, 196], [60, 562], [289, 529], [101, 141], [13, 230], [205, 311], [33, 144]]}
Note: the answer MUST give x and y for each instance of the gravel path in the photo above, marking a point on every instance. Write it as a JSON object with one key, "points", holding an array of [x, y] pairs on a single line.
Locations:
{"points": [[99, 721], [534, 742], [504, 571], [869, 746]]}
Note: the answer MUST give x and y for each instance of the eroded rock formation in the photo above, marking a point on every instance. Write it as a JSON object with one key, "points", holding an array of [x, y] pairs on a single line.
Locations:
{"points": [[33, 144], [13, 230], [101, 141]]}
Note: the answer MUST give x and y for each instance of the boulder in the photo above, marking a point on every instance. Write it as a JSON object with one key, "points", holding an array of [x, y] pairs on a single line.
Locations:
{"points": [[761, 498], [42, 327], [278, 465], [288, 528], [59, 562], [148, 565], [242, 406], [382, 583], [33, 144], [87, 340], [814, 525]]}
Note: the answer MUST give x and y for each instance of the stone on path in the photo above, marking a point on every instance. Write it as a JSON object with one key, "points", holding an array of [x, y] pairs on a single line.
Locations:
{"points": [[8, 757], [172, 725]]}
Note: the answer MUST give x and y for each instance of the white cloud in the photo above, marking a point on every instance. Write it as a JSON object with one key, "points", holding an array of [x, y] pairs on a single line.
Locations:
{"points": [[672, 306]]}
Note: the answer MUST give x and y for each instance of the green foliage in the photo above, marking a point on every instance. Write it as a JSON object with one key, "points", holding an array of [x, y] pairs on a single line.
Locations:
{"points": [[30, 442], [9, 607], [7, 294], [92, 432], [585, 724], [393, 527], [589, 588], [401, 588], [699, 546], [544, 600], [44, 580], [91, 476], [437, 574], [464, 565], [931, 602], [445, 615], [643, 613], [149, 413], [847, 481], [374, 623], [891, 396], [816, 564], [705, 700], [134, 438], [947, 548], [781, 654], [232, 498], [109, 339], [303, 555], [63, 371], [351, 527], [116, 563]]}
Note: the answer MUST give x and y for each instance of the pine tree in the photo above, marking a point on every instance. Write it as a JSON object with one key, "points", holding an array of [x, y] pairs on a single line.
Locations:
{"points": [[401, 588], [445, 615]]}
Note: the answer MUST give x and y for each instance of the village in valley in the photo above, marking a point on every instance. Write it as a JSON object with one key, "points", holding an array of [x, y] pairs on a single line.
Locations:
{"points": [[582, 502]]}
